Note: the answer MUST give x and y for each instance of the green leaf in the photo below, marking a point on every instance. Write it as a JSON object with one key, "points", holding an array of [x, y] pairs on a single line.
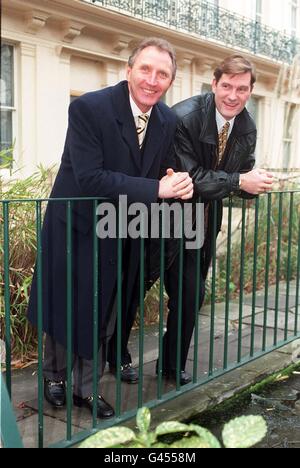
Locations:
{"points": [[206, 436], [143, 420], [109, 438], [191, 442], [171, 427], [244, 432]]}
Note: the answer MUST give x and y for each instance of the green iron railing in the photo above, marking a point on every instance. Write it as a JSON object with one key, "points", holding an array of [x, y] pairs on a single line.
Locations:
{"points": [[211, 22], [264, 250]]}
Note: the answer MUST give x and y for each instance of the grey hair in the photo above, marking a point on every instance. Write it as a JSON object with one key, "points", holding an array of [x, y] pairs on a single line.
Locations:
{"points": [[160, 44]]}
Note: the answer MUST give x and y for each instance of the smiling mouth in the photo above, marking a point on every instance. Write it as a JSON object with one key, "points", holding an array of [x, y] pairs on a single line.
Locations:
{"points": [[149, 92], [231, 106]]}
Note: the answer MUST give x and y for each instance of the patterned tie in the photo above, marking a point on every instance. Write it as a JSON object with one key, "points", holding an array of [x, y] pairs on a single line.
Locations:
{"points": [[223, 136], [142, 124], [222, 141]]}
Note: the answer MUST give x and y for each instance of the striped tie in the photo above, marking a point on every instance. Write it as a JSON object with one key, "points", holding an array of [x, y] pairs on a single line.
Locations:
{"points": [[223, 136], [142, 124]]}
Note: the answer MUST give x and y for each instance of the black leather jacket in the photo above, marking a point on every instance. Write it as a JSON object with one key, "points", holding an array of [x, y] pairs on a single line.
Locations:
{"points": [[196, 147]]}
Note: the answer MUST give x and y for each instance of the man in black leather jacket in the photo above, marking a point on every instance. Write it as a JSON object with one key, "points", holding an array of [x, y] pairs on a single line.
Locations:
{"points": [[215, 143]]}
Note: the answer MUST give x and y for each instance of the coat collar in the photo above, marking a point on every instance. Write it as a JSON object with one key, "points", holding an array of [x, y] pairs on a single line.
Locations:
{"points": [[155, 130]]}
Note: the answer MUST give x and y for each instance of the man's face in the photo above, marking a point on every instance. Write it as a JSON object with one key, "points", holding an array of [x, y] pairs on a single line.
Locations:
{"points": [[150, 77], [232, 93]]}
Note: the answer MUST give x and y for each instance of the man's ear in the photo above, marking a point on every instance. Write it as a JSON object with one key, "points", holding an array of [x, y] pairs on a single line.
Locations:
{"points": [[214, 85], [128, 71]]}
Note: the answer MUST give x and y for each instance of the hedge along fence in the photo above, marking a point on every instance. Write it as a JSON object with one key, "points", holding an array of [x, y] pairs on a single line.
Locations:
{"points": [[277, 225]]}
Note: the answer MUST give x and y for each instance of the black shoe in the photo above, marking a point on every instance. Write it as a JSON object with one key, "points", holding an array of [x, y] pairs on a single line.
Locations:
{"points": [[104, 410], [55, 392], [128, 373], [184, 377]]}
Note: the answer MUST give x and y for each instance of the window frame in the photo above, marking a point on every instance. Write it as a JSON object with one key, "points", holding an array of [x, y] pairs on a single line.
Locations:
{"points": [[13, 109], [288, 140]]}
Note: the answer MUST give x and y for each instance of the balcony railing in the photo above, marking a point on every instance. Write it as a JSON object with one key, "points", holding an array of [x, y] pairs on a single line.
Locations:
{"points": [[208, 21], [260, 252]]}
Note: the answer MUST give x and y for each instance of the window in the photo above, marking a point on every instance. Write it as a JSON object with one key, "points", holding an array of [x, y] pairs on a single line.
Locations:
{"points": [[7, 96], [294, 13], [289, 118], [252, 107], [258, 11], [206, 88]]}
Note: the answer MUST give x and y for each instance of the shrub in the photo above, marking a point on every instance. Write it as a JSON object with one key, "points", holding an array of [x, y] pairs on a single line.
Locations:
{"points": [[22, 250], [242, 432]]}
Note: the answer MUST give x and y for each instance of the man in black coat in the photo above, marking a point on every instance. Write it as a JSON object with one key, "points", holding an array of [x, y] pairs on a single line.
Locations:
{"points": [[119, 142], [215, 142]]}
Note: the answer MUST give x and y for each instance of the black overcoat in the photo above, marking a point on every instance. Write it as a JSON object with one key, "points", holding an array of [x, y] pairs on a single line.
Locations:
{"points": [[101, 158]]}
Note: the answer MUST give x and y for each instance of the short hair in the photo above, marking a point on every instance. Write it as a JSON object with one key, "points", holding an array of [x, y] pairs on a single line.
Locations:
{"points": [[235, 65], [160, 44]]}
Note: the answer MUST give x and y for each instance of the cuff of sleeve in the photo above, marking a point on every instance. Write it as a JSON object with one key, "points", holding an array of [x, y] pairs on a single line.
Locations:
{"points": [[235, 184]]}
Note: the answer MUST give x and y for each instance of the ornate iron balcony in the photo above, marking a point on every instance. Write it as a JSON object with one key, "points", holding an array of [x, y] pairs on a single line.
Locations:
{"points": [[211, 22]]}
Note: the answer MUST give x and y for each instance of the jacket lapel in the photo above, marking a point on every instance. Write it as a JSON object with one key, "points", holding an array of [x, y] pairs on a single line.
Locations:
{"points": [[126, 121], [154, 139]]}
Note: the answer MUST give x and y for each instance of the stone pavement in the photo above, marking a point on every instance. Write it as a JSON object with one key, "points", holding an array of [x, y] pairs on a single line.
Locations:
{"points": [[191, 403]]}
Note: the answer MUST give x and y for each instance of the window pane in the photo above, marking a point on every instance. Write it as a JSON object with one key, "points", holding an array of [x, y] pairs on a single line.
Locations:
{"points": [[286, 154], [6, 94], [252, 107], [289, 116], [6, 140], [206, 88]]}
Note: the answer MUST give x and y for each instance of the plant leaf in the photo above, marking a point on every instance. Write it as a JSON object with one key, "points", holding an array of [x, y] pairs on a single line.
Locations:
{"points": [[171, 427], [109, 438], [191, 442], [206, 436], [244, 432], [143, 420]]}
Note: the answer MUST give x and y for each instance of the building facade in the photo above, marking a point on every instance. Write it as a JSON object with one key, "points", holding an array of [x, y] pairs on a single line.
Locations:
{"points": [[55, 50]]}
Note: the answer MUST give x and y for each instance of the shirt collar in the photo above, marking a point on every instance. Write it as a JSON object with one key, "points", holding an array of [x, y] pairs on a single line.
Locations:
{"points": [[135, 110], [221, 122]]}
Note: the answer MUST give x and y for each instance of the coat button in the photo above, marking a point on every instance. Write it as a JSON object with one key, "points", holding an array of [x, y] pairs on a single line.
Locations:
{"points": [[112, 262]]}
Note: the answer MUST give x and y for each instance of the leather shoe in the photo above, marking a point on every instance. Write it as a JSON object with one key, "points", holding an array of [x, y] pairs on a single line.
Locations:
{"points": [[55, 392], [184, 377], [128, 373], [104, 410]]}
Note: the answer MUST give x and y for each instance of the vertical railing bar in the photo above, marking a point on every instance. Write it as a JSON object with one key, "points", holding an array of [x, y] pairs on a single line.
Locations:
{"points": [[69, 320], [161, 303], [213, 291], [119, 313], [242, 274], [7, 297], [297, 283], [289, 273], [278, 269], [228, 269], [197, 302], [142, 313], [254, 282], [180, 303], [39, 270], [95, 313], [267, 271]]}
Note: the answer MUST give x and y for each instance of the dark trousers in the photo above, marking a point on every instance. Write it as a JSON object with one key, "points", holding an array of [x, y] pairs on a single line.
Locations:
{"points": [[190, 290], [130, 300], [55, 367], [55, 362]]}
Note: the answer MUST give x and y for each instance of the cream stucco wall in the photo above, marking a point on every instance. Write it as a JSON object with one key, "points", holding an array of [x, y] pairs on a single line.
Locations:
{"points": [[67, 47]]}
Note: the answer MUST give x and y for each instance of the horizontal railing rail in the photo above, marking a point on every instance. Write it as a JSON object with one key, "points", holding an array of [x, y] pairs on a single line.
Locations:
{"points": [[207, 20], [236, 326]]}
